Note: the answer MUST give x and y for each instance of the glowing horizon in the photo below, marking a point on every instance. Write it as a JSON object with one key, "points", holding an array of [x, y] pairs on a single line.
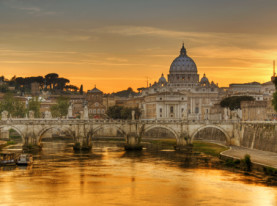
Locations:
{"points": [[116, 45]]}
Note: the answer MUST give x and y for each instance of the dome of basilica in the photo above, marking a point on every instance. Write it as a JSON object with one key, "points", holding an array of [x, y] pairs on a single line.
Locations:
{"points": [[162, 80], [204, 80], [183, 63]]}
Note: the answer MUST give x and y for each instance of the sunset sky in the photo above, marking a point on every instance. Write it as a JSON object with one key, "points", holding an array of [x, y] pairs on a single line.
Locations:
{"points": [[115, 44]]}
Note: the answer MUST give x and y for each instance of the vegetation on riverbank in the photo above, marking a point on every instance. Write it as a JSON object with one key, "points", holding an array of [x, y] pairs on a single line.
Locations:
{"points": [[197, 146], [244, 164]]}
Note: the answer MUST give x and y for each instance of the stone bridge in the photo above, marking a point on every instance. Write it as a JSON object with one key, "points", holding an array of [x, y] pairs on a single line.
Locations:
{"points": [[235, 132], [32, 130]]}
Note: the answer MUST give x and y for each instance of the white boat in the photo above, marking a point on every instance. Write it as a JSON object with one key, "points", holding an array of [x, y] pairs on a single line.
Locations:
{"points": [[25, 159]]}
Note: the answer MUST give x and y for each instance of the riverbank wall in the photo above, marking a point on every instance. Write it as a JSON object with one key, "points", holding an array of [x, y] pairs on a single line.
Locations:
{"points": [[255, 165], [260, 136]]}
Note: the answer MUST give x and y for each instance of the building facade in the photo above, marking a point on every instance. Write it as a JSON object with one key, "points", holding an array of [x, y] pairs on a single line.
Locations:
{"points": [[183, 96]]}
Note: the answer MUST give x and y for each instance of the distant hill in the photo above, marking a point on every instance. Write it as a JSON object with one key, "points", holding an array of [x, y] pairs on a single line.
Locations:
{"points": [[125, 93]]}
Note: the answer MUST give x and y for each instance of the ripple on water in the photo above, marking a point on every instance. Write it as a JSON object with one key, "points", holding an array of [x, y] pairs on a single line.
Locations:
{"points": [[110, 176]]}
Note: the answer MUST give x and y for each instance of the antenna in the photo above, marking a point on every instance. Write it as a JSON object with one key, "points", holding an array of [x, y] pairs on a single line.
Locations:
{"points": [[147, 82]]}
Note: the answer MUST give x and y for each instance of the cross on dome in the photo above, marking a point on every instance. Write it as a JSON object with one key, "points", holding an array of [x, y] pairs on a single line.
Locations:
{"points": [[183, 51]]}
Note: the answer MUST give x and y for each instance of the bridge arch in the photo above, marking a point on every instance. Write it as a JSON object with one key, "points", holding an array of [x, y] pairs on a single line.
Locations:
{"points": [[101, 127], [8, 127], [65, 129], [147, 129], [227, 137]]}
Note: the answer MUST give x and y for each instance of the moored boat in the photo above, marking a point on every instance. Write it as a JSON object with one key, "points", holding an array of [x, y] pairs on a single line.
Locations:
{"points": [[24, 159], [8, 159]]}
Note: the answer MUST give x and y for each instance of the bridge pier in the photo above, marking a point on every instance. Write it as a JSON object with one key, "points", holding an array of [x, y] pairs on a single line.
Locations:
{"points": [[83, 143], [31, 143], [83, 138], [133, 142], [183, 141]]}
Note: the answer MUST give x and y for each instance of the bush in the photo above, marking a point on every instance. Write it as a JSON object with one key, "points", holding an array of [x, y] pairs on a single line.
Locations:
{"points": [[77, 145], [270, 171], [11, 142], [119, 112], [234, 102], [246, 163], [232, 163]]}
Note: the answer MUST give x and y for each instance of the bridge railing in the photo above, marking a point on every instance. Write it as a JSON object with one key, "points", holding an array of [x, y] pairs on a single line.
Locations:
{"points": [[115, 121], [258, 122]]}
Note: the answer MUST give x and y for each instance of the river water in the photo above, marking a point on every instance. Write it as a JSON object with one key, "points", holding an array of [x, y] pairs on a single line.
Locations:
{"points": [[110, 176]]}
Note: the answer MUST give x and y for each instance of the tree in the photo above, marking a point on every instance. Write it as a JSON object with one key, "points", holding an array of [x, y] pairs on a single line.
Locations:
{"points": [[12, 81], [81, 89], [126, 113], [4, 88], [274, 100], [19, 83], [60, 83], [12, 105], [51, 79], [126, 93], [34, 105], [61, 108], [119, 112], [71, 88], [114, 112], [234, 102]]}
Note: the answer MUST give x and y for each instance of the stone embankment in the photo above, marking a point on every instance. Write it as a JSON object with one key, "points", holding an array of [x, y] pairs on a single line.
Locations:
{"points": [[260, 136], [259, 158]]}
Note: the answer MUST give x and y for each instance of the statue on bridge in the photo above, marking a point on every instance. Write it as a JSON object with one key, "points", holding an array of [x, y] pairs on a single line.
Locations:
{"points": [[4, 115], [225, 115], [86, 112], [31, 114], [133, 114], [185, 114], [69, 113], [47, 115]]}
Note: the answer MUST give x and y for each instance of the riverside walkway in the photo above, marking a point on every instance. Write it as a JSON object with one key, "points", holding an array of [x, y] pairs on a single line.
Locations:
{"points": [[257, 156]]}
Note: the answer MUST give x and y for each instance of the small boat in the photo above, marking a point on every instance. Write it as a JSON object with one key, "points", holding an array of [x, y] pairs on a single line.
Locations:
{"points": [[8, 159], [25, 159]]}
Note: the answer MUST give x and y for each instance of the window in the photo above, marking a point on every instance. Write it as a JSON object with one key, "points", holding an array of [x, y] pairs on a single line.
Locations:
{"points": [[161, 115], [196, 110], [171, 109], [182, 110], [161, 98], [98, 111], [161, 110], [94, 111], [96, 104]]}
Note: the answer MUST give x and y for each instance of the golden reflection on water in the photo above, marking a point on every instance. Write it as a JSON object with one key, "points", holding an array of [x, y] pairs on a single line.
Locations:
{"points": [[109, 176]]}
